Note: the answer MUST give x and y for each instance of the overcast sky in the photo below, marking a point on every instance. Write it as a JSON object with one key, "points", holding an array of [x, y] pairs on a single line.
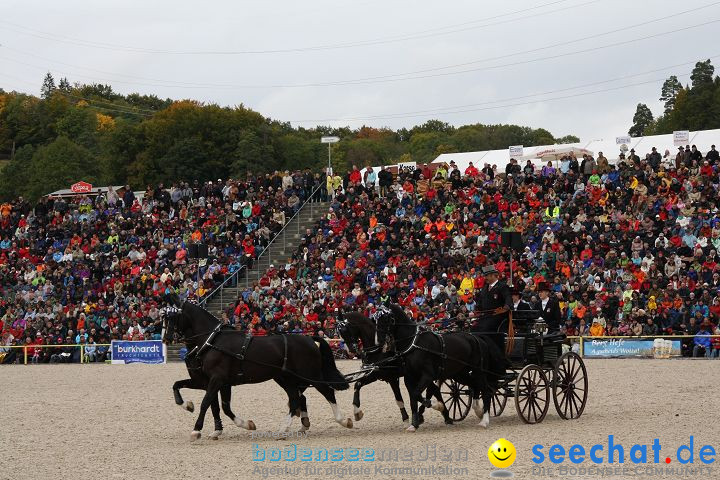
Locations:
{"points": [[265, 55]]}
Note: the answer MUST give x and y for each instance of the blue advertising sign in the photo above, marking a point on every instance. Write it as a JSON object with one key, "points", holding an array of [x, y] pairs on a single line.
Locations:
{"points": [[620, 347], [149, 351]]}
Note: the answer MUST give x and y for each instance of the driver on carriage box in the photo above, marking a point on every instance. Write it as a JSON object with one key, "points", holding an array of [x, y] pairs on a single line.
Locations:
{"points": [[549, 308], [518, 304], [495, 296]]}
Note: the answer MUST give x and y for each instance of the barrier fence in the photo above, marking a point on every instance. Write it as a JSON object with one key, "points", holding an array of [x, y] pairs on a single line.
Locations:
{"points": [[588, 347], [27, 351]]}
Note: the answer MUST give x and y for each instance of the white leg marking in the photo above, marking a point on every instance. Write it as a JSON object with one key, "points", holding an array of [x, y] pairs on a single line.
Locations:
{"points": [[216, 434], [477, 408], [439, 406], [194, 435], [410, 429], [339, 417], [485, 422]]}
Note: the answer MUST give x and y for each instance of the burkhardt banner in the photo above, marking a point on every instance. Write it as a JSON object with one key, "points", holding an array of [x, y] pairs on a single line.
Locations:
{"points": [[619, 347], [148, 351]]}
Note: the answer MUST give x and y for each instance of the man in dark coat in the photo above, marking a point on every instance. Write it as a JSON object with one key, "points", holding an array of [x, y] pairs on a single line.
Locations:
{"points": [[549, 308], [518, 304], [495, 302]]}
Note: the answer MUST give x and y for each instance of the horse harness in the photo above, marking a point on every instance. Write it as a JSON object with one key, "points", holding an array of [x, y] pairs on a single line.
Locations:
{"points": [[198, 352]]}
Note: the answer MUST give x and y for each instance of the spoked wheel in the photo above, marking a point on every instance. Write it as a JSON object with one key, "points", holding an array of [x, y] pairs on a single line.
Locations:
{"points": [[457, 399], [570, 387], [499, 400], [532, 394]]}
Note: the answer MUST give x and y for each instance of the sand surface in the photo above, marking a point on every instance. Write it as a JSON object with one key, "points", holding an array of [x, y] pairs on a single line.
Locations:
{"points": [[109, 421]]}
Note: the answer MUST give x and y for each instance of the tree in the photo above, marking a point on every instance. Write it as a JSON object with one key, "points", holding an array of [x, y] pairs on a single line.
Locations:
{"points": [[642, 119], [48, 86], [567, 139], [64, 85], [669, 93], [702, 74]]}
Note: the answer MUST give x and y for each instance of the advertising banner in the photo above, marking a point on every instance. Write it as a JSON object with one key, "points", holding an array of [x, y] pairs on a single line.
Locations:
{"points": [[619, 347], [149, 351]]}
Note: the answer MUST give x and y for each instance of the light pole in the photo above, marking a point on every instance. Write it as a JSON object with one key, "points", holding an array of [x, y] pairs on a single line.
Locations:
{"points": [[329, 141]]}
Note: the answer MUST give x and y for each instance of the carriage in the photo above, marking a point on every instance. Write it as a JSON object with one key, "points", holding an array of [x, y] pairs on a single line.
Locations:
{"points": [[540, 369]]}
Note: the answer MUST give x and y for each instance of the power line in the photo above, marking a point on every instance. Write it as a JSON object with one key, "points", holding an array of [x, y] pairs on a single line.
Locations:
{"points": [[440, 110], [388, 80], [524, 103], [437, 31]]}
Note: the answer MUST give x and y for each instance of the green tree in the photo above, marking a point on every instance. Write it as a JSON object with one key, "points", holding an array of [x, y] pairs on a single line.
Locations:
{"points": [[669, 92], [48, 86], [642, 119], [702, 74], [64, 85], [567, 139]]}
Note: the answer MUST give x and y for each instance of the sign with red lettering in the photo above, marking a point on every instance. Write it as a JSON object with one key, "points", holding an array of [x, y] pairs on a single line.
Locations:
{"points": [[81, 187]]}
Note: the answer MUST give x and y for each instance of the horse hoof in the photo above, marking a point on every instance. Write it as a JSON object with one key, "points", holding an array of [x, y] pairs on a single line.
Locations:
{"points": [[347, 423], [189, 406], [449, 422], [410, 429], [304, 428], [439, 406], [195, 435], [359, 415], [484, 424], [306, 422], [250, 425], [215, 435]]}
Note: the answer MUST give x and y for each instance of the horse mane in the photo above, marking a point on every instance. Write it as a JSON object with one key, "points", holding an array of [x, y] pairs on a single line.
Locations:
{"points": [[199, 311], [399, 312]]}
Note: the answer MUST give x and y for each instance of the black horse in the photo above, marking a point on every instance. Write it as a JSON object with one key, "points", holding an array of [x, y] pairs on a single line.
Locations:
{"points": [[228, 357], [358, 332], [429, 356], [199, 381]]}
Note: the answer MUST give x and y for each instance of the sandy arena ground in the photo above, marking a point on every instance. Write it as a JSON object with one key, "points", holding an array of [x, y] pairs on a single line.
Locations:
{"points": [[107, 421]]}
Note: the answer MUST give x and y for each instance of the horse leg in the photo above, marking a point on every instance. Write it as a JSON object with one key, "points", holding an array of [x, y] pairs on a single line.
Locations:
{"points": [[225, 398], [294, 402], [414, 388], [304, 418], [356, 400], [215, 409], [210, 394], [329, 395], [187, 383], [395, 385], [481, 387], [437, 402]]}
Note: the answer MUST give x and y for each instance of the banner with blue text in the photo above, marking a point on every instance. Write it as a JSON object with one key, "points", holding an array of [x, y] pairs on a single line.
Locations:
{"points": [[149, 351]]}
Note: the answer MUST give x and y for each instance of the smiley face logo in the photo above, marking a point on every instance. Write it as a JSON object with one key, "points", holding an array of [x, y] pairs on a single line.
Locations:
{"points": [[502, 453]]}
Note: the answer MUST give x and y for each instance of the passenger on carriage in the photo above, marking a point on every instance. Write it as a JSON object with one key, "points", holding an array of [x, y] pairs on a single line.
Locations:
{"points": [[518, 304], [549, 308]]}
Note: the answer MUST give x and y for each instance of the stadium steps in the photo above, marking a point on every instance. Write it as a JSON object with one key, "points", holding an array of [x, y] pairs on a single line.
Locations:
{"points": [[277, 253]]}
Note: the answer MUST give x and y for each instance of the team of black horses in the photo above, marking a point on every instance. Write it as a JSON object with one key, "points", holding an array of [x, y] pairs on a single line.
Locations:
{"points": [[390, 344]]}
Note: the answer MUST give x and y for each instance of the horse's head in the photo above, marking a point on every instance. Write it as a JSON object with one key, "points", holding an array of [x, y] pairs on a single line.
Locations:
{"points": [[358, 333], [385, 328], [186, 321], [174, 325]]}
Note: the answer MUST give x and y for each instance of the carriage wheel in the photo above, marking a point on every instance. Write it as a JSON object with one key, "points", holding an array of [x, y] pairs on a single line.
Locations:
{"points": [[532, 394], [457, 399], [570, 386], [499, 400]]}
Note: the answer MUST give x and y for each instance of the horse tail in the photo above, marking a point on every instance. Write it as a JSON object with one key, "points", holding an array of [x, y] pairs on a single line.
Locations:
{"points": [[330, 373]]}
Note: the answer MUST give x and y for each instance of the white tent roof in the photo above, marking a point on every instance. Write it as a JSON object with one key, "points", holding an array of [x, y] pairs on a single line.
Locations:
{"points": [[703, 139]]}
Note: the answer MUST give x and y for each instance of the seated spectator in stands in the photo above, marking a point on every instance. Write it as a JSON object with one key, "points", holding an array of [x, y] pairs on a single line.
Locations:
{"points": [[703, 344]]}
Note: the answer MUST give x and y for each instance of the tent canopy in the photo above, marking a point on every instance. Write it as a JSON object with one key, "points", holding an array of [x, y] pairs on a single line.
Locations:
{"points": [[555, 152]]}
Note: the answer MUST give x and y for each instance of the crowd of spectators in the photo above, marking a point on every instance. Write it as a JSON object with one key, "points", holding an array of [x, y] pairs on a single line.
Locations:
{"points": [[629, 247], [89, 269]]}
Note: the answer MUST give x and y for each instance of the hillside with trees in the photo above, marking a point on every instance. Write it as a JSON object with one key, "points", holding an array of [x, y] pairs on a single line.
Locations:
{"points": [[90, 132], [693, 107]]}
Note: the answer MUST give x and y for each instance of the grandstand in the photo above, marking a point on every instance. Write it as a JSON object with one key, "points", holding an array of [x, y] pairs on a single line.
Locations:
{"points": [[629, 247]]}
